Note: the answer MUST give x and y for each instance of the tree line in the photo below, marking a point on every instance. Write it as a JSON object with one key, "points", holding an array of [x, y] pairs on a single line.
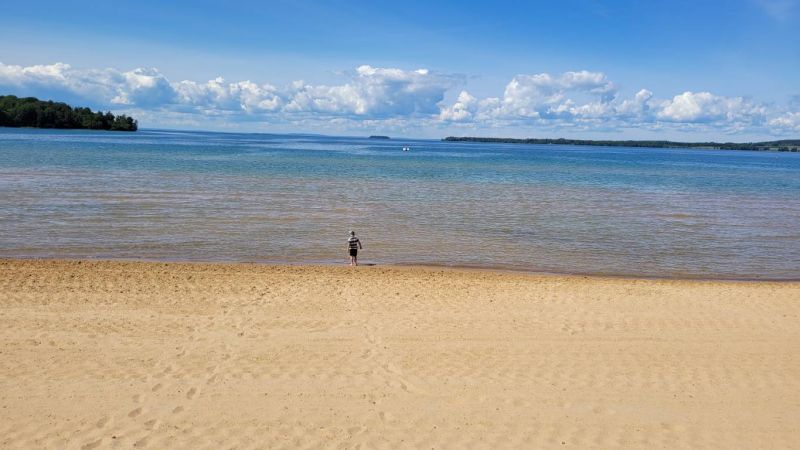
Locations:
{"points": [[781, 146], [32, 112]]}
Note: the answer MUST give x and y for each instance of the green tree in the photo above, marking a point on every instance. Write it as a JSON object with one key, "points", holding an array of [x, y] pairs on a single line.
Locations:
{"points": [[32, 112]]}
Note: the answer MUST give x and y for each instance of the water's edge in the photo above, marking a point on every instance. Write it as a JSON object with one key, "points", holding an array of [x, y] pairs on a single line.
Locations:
{"points": [[424, 266]]}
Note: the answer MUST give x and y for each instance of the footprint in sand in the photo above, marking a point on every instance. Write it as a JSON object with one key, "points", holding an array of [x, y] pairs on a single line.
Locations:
{"points": [[354, 431], [191, 393], [391, 368], [103, 422], [135, 412], [156, 387], [92, 445], [213, 379]]}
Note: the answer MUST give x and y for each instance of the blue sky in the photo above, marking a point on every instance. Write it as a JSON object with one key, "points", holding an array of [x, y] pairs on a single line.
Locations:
{"points": [[689, 70]]}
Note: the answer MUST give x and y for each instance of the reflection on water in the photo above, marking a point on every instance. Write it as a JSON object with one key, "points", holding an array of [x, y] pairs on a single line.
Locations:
{"points": [[244, 197]]}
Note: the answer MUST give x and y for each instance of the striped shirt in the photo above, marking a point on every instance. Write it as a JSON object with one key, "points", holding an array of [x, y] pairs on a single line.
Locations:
{"points": [[353, 243]]}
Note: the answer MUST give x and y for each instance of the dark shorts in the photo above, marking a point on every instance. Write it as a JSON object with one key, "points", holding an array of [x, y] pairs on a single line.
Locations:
{"points": [[353, 252]]}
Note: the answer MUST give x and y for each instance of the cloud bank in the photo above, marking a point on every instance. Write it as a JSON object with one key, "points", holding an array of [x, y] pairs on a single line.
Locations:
{"points": [[391, 98]]}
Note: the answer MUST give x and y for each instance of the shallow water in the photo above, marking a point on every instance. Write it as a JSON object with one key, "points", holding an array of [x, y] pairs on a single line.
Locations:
{"points": [[278, 198]]}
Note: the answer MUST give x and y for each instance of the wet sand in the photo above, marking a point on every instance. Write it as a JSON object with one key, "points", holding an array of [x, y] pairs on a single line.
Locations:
{"points": [[132, 354]]}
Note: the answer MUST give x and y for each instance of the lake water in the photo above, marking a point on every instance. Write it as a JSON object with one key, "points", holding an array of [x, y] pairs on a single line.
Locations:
{"points": [[196, 196]]}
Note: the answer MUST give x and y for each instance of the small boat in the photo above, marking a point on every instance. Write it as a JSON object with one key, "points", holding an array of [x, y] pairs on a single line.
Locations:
{"points": [[405, 149]]}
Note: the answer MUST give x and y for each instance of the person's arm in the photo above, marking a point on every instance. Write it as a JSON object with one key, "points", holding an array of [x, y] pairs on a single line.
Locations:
{"points": [[359, 245]]}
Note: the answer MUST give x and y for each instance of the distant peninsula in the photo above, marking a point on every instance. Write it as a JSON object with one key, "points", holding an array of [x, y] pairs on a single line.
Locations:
{"points": [[375, 136], [35, 113], [780, 146]]}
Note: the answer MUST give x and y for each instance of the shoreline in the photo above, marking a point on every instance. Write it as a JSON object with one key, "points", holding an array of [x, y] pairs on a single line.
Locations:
{"points": [[782, 146], [468, 268]]}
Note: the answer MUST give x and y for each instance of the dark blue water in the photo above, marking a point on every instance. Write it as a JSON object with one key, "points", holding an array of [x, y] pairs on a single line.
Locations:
{"points": [[279, 198]]}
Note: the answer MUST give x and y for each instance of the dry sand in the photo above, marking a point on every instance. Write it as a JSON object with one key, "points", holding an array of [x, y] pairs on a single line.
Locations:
{"points": [[124, 354]]}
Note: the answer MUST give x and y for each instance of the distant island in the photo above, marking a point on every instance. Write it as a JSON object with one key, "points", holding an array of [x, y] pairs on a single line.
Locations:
{"points": [[379, 137], [780, 146], [32, 112]]}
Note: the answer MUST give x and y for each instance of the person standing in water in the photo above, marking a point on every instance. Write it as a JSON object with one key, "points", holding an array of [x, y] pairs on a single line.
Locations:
{"points": [[353, 244]]}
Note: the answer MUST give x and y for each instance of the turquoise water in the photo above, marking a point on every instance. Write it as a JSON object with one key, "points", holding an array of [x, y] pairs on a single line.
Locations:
{"points": [[291, 199]]}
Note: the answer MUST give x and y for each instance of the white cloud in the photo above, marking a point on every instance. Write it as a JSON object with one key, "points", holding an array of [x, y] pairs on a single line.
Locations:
{"points": [[538, 98], [244, 96], [590, 99], [375, 92], [141, 87], [371, 92], [56, 78], [704, 107], [461, 110], [397, 99], [637, 107], [33, 74], [789, 122], [543, 95]]}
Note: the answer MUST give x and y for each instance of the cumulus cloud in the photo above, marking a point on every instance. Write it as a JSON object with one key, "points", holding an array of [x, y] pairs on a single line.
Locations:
{"points": [[141, 87], [462, 110], [217, 94], [789, 121], [397, 99], [543, 95], [370, 92], [590, 99], [375, 92], [698, 107], [638, 106]]}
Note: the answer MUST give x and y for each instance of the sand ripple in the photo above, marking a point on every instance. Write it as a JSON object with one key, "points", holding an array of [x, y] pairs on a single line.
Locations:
{"points": [[152, 355]]}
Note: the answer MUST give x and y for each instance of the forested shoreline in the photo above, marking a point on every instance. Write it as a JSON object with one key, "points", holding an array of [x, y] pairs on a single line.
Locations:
{"points": [[781, 146], [35, 113]]}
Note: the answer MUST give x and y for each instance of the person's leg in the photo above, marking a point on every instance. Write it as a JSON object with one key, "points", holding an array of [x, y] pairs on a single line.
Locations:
{"points": [[355, 260]]}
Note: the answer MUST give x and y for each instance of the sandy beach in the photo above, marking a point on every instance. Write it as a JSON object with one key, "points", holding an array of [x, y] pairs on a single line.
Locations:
{"points": [[172, 355]]}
